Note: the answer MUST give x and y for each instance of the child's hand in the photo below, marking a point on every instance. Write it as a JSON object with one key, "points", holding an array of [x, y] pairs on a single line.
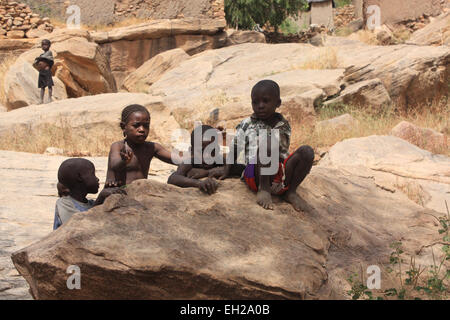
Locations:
{"points": [[209, 186], [126, 153], [196, 173], [113, 184], [108, 192], [216, 172], [225, 172]]}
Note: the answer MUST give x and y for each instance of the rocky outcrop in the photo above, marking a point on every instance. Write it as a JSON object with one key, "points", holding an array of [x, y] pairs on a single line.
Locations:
{"points": [[242, 36], [128, 48], [18, 21], [151, 71], [425, 138], [93, 114], [374, 76], [364, 94], [14, 47], [80, 69], [194, 246], [397, 166], [436, 33], [411, 75]]}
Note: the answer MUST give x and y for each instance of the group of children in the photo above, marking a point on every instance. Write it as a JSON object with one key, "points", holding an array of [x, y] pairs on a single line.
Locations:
{"points": [[129, 159]]}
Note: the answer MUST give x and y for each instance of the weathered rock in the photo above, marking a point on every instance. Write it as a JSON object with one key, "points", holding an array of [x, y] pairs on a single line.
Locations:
{"points": [[370, 94], [211, 248], [425, 138], [239, 37], [221, 83], [356, 25], [125, 56], [395, 165], [35, 33], [345, 121], [99, 113], [15, 34], [161, 28], [151, 71], [87, 65], [411, 75], [21, 83], [435, 33], [3, 108]]}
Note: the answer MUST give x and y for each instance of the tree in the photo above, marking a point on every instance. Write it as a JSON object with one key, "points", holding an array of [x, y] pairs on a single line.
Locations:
{"points": [[245, 14]]}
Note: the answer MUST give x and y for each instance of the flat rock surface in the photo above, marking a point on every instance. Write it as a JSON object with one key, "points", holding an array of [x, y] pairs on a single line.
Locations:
{"points": [[27, 204]]}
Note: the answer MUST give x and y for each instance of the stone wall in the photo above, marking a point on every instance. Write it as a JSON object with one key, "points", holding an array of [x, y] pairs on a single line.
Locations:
{"points": [[111, 11], [18, 21]]}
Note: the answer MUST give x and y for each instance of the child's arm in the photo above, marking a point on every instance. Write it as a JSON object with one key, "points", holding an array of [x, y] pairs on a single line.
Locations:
{"points": [[120, 156], [180, 179], [165, 155]]}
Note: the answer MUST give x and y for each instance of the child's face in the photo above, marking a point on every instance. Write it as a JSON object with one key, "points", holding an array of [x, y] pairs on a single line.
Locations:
{"points": [[45, 46], [89, 178], [264, 102], [137, 128]]}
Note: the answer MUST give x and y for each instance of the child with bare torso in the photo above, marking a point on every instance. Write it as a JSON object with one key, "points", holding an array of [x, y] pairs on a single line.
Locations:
{"points": [[129, 159]]}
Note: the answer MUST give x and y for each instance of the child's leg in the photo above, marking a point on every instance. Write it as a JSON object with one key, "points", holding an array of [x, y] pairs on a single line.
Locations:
{"points": [[297, 168], [50, 92], [264, 196], [42, 95]]}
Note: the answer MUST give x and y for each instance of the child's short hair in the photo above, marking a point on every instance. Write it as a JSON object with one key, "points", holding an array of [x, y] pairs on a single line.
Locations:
{"points": [[268, 84], [128, 111], [46, 41], [68, 172]]}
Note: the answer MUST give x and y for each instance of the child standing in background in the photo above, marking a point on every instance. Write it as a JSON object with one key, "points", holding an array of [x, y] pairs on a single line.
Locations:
{"points": [[44, 64]]}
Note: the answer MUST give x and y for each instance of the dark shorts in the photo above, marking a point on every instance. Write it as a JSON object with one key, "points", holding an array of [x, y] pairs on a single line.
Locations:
{"points": [[45, 79]]}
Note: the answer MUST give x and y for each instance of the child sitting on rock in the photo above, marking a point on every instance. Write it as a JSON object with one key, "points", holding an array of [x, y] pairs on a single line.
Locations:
{"points": [[279, 173], [44, 64], [76, 179], [129, 159], [201, 163]]}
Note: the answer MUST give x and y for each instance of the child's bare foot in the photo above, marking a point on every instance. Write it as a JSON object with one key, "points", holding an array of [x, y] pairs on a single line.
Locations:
{"points": [[264, 199], [294, 199]]}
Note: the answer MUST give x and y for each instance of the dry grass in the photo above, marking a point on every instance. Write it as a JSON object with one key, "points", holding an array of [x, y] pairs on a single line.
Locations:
{"points": [[74, 142], [365, 36], [323, 58], [124, 23], [4, 67], [370, 123]]}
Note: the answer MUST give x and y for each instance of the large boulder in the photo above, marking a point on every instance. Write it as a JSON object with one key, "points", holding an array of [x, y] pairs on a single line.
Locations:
{"points": [[435, 33], [397, 166], [164, 242], [412, 75], [83, 67], [35, 201], [92, 114], [152, 70], [244, 36]]}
